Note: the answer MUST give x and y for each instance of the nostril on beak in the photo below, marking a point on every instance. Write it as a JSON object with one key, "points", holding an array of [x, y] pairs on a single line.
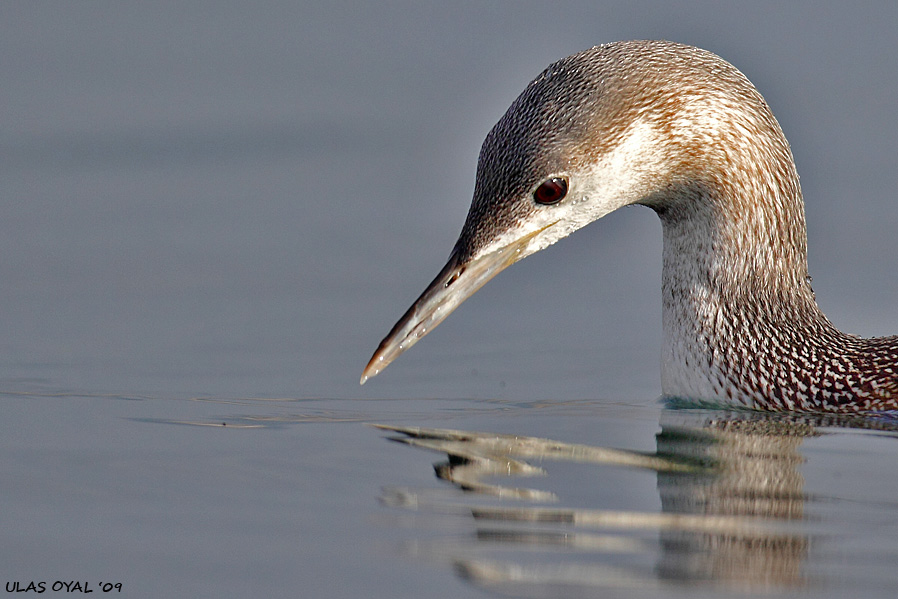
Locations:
{"points": [[454, 277]]}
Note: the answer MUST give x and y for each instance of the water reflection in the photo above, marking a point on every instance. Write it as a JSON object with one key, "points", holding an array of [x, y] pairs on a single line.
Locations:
{"points": [[732, 509], [755, 474]]}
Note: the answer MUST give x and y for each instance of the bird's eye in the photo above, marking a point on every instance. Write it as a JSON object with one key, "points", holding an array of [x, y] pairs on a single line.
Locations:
{"points": [[551, 191]]}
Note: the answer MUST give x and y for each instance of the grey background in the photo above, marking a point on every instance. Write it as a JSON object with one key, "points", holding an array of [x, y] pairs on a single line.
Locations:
{"points": [[209, 196]]}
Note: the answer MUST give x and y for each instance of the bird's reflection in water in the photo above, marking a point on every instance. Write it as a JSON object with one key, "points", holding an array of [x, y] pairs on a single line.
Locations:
{"points": [[755, 474], [732, 509]]}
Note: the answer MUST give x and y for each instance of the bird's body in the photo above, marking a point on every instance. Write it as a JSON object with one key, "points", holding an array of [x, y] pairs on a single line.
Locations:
{"points": [[682, 131]]}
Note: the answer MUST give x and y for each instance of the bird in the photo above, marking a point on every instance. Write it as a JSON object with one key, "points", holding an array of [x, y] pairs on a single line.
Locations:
{"points": [[683, 132]]}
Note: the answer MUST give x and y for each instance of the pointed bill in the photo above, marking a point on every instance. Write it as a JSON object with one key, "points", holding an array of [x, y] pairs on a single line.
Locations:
{"points": [[456, 282]]}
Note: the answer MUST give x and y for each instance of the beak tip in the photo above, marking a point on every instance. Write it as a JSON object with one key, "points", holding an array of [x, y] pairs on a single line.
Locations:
{"points": [[369, 373], [366, 374]]}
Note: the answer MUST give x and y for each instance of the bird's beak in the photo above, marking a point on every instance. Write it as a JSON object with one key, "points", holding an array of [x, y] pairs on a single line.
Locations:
{"points": [[458, 281]]}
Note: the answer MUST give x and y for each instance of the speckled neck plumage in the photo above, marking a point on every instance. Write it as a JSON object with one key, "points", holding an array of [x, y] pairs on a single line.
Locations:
{"points": [[750, 333], [741, 322], [679, 130]]}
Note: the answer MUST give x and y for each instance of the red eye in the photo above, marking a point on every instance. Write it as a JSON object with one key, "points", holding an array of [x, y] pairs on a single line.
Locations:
{"points": [[551, 191]]}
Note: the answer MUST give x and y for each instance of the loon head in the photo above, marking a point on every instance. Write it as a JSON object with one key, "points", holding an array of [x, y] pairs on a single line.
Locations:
{"points": [[646, 122]]}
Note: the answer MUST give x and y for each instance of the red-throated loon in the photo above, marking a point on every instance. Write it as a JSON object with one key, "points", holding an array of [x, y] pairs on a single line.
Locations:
{"points": [[679, 130]]}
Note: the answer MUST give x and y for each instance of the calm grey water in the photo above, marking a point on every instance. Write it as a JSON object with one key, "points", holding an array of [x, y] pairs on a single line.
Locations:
{"points": [[211, 214]]}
